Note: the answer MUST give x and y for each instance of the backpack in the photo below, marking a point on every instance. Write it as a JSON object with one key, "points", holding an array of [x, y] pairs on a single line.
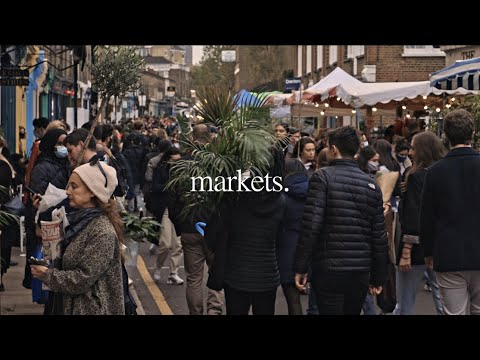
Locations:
{"points": [[118, 163]]}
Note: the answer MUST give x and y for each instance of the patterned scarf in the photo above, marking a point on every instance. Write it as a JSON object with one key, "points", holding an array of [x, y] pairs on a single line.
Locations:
{"points": [[78, 220]]}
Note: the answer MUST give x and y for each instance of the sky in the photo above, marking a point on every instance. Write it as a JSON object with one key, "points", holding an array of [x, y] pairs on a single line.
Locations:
{"points": [[197, 53]]}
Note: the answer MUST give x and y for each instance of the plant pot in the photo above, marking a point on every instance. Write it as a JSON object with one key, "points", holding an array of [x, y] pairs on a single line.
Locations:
{"points": [[132, 252]]}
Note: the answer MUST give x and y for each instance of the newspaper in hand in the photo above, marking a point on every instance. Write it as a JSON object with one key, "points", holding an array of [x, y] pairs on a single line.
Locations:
{"points": [[51, 236]]}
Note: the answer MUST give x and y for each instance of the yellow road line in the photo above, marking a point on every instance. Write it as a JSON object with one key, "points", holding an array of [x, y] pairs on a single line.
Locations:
{"points": [[153, 288]]}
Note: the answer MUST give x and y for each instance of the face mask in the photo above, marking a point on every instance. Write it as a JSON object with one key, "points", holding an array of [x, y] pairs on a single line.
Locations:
{"points": [[401, 158], [365, 143], [372, 166], [37, 133], [61, 151], [290, 149]]}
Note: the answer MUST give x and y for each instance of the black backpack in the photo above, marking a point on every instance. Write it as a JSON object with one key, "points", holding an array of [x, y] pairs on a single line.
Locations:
{"points": [[119, 164]]}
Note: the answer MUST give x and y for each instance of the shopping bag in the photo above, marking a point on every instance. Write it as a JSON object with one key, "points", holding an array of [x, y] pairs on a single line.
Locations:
{"points": [[38, 295]]}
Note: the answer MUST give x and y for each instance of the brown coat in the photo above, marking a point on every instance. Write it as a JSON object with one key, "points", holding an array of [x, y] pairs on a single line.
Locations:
{"points": [[91, 279]]}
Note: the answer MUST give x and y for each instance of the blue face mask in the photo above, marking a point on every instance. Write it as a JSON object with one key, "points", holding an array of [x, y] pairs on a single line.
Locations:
{"points": [[61, 151]]}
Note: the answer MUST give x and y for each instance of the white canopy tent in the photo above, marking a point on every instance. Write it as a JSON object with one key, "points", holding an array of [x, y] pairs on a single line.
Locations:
{"points": [[372, 94], [337, 77], [358, 94]]}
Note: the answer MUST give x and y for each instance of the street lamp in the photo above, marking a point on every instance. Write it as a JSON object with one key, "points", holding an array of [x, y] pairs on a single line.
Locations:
{"points": [[142, 99]]}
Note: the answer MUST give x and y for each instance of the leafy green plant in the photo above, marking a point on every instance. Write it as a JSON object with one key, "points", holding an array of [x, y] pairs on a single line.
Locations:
{"points": [[116, 71], [242, 143], [6, 218], [471, 103], [138, 228]]}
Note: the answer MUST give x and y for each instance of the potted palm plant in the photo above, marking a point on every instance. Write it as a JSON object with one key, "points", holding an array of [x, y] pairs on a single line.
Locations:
{"points": [[242, 143]]}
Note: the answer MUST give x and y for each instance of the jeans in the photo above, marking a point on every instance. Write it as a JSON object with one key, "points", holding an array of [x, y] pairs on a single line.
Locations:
{"points": [[432, 277], [138, 195], [369, 306], [340, 293], [407, 286]]}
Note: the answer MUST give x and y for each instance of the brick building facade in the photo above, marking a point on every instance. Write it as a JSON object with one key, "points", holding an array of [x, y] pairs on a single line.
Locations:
{"points": [[368, 63]]}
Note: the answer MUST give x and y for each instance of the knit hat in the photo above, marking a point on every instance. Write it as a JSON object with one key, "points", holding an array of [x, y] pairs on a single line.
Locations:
{"points": [[101, 183]]}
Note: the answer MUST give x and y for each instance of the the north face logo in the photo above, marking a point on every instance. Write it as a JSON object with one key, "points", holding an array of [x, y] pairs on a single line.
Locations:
{"points": [[371, 185]]}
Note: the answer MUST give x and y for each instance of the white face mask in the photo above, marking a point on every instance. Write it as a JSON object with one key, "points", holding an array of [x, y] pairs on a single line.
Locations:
{"points": [[372, 165]]}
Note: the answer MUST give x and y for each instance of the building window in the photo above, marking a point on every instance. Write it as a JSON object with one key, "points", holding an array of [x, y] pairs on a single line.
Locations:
{"points": [[299, 60], [333, 54], [319, 56], [355, 50], [309, 59], [422, 50]]}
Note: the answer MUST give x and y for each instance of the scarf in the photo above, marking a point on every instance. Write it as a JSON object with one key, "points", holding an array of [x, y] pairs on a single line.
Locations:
{"points": [[77, 221]]}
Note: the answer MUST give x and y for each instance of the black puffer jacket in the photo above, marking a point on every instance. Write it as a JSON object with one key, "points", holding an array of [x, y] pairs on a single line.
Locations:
{"points": [[49, 170], [343, 223]]}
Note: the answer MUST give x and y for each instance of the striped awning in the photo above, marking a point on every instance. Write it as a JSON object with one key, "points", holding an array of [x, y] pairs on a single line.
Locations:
{"points": [[462, 74]]}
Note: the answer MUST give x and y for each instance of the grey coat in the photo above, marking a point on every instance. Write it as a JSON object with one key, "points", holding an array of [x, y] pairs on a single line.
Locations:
{"points": [[91, 278]]}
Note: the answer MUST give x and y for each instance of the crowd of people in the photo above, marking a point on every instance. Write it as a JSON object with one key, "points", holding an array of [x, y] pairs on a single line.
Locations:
{"points": [[360, 225]]}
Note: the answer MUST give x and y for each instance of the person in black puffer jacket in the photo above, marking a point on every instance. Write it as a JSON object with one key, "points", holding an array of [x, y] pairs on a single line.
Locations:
{"points": [[51, 166], [344, 237]]}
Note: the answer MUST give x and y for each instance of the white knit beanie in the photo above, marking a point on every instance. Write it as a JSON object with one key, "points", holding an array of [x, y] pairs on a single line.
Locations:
{"points": [[93, 178]]}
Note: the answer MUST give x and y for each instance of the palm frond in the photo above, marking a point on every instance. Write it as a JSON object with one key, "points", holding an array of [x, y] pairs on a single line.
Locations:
{"points": [[6, 218], [243, 142]]}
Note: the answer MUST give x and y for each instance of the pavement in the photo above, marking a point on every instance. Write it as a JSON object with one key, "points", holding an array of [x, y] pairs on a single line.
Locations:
{"points": [[16, 300]]}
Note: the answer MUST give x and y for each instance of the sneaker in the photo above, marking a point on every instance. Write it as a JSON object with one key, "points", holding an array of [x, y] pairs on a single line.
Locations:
{"points": [[427, 287], [157, 275], [152, 249], [174, 279]]}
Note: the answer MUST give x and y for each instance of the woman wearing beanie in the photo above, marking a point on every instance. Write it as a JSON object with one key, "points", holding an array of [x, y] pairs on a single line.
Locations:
{"points": [[87, 279]]}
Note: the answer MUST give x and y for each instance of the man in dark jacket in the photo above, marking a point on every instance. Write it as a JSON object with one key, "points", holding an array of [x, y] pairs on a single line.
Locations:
{"points": [[344, 237], [449, 218]]}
